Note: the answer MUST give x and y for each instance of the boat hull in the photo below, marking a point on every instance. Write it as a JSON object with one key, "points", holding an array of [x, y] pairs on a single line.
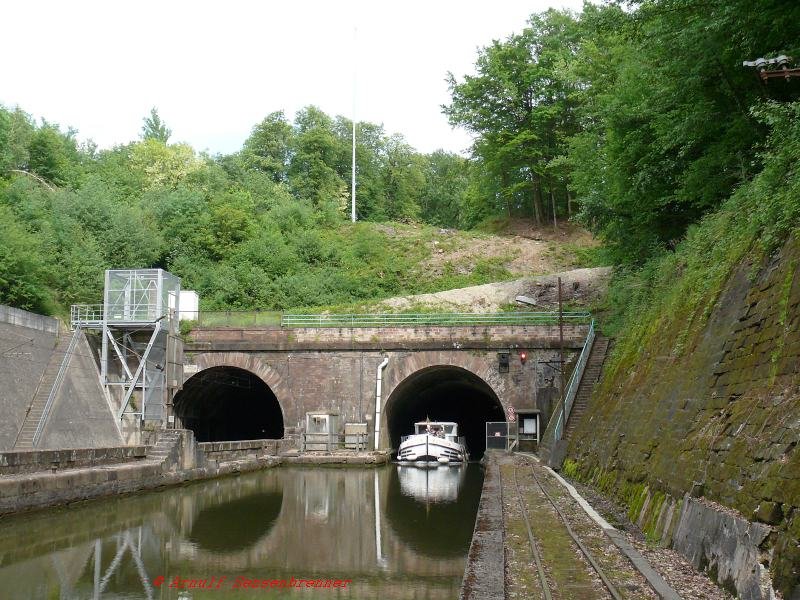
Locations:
{"points": [[429, 449]]}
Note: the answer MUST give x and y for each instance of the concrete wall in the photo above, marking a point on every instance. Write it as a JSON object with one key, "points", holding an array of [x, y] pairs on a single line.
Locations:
{"points": [[24, 354], [384, 338], [176, 458], [225, 451], [28, 320], [81, 416], [31, 461]]}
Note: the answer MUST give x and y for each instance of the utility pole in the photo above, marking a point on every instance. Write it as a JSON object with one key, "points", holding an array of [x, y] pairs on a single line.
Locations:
{"points": [[561, 342]]}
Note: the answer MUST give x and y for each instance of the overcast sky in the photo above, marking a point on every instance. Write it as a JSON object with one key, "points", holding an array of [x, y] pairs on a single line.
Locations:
{"points": [[215, 69]]}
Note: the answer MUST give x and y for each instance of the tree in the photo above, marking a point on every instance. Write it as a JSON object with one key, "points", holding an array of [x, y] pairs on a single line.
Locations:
{"points": [[159, 165], [520, 106], [22, 271], [404, 179], [268, 147], [52, 155], [154, 128], [312, 175], [446, 181], [666, 114]]}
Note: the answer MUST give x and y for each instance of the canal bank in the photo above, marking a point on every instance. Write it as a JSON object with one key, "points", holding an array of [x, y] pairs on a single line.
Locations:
{"points": [[48, 478]]}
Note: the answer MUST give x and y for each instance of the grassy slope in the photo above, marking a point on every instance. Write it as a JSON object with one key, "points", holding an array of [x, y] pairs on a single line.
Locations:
{"points": [[383, 260]]}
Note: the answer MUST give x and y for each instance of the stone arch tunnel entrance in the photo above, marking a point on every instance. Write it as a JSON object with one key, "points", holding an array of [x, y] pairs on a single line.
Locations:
{"points": [[444, 393], [229, 403]]}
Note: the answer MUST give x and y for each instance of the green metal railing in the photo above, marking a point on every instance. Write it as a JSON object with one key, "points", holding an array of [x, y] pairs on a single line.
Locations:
{"points": [[558, 421], [433, 319], [232, 318], [85, 314]]}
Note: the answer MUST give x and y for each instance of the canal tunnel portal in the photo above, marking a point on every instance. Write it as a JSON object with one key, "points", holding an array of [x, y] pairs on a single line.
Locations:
{"points": [[229, 403], [444, 393]]}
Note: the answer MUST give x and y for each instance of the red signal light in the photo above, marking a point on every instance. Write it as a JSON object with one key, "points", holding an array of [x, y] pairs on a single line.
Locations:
{"points": [[523, 356]]}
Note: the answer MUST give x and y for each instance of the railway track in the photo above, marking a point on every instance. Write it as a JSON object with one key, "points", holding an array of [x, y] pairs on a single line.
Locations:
{"points": [[564, 564]]}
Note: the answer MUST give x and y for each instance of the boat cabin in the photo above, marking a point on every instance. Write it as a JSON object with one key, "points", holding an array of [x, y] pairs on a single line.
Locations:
{"points": [[443, 429]]}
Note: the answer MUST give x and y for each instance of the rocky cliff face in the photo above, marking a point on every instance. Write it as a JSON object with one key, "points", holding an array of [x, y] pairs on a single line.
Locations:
{"points": [[713, 414]]}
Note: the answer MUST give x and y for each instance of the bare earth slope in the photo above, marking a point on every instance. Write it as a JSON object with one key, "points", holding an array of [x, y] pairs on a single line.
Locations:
{"points": [[579, 287], [537, 255]]}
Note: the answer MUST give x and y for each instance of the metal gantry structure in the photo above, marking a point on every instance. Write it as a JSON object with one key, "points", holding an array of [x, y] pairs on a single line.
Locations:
{"points": [[138, 316]]}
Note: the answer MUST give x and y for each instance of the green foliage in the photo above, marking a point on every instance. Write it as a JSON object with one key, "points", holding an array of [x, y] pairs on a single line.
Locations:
{"points": [[22, 270], [672, 294], [644, 116], [520, 105], [154, 128], [260, 229]]}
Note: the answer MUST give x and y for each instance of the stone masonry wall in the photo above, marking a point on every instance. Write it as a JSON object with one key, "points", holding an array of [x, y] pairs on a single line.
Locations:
{"points": [[721, 420], [334, 369]]}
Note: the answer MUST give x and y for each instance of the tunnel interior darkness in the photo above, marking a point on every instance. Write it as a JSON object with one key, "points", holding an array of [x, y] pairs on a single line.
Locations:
{"points": [[444, 393], [228, 403]]}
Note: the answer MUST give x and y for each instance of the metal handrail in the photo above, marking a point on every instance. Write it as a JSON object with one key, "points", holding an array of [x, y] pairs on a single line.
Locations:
{"points": [[564, 407], [335, 441], [443, 319], [94, 314], [62, 371]]}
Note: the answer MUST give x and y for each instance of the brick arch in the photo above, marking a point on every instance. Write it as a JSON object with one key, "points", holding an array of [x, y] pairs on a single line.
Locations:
{"points": [[254, 365], [401, 368]]}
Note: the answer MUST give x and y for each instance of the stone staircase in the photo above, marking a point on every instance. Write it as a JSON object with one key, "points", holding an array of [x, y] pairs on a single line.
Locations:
{"points": [[591, 375], [46, 383], [166, 449]]}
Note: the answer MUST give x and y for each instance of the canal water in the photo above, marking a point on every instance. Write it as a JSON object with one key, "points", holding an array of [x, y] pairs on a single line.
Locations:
{"points": [[311, 533]]}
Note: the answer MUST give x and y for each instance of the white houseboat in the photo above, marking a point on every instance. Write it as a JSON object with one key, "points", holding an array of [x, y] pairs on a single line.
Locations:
{"points": [[433, 442]]}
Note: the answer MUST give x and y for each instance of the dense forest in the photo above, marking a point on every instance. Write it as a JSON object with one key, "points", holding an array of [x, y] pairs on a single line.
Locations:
{"points": [[638, 121]]}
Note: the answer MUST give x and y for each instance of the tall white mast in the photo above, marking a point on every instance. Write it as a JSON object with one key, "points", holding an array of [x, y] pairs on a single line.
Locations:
{"points": [[355, 72]]}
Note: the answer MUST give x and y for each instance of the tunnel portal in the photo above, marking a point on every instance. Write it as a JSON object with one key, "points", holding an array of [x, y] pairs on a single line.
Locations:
{"points": [[444, 393], [229, 403]]}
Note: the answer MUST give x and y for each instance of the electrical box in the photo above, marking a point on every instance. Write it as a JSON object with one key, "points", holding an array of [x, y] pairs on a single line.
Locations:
{"points": [[502, 361], [355, 436]]}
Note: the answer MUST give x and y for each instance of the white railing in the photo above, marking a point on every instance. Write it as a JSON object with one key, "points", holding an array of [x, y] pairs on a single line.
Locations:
{"points": [[92, 315], [333, 441]]}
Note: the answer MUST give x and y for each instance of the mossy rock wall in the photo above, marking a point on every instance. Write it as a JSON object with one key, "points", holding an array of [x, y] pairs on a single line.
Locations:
{"points": [[720, 414]]}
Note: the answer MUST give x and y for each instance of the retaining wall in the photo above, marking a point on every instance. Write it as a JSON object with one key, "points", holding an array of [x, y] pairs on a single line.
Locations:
{"points": [[31, 461], [711, 410]]}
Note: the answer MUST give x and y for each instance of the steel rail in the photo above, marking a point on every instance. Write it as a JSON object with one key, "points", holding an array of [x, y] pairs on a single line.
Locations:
{"points": [[537, 558], [603, 577]]}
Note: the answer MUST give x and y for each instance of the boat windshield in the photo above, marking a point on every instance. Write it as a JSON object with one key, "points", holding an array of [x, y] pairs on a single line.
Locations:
{"points": [[437, 429]]}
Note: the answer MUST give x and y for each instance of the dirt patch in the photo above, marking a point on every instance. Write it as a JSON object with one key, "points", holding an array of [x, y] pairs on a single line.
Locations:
{"points": [[524, 251], [580, 287]]}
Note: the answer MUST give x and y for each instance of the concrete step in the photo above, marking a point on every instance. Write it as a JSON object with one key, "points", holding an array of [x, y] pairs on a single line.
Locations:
{"points": [[591, 375]]}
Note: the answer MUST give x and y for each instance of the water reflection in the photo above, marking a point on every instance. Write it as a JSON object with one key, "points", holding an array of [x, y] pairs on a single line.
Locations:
{"points": [[433, 510], [236, 524], [396, 532]]}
